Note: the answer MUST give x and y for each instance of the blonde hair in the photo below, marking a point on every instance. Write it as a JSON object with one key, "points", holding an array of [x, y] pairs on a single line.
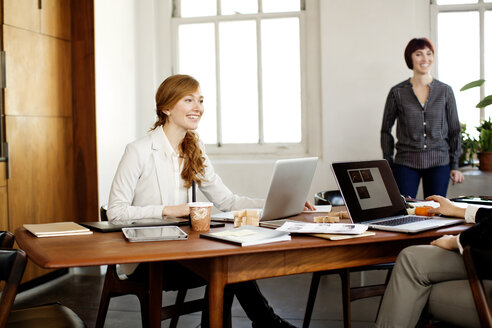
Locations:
{"points": [[169, 93]]}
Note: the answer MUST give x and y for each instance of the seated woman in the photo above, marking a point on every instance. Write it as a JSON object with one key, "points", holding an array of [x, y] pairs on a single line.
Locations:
{"points": [[435, 275], [154, 179]]}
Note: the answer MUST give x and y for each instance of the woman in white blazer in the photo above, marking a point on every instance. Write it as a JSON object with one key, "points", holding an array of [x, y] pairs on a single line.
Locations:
{"points": [[154, 179]]}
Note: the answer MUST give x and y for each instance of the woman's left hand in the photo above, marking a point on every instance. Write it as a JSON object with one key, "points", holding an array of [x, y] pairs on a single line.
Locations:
{"points": [[309, 207], [456, 176], [447, 242]]}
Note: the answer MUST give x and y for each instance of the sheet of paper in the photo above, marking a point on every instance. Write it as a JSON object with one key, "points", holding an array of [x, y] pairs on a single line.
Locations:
{"points": [[335, 228]]}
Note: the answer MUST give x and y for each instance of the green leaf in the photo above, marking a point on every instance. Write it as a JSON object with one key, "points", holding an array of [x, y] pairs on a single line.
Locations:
{"points": [[473, 84], [485, 102]]}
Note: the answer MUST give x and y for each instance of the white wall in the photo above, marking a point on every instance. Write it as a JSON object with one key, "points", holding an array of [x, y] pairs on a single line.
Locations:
{"points": [[362, 45], [126, 77]]}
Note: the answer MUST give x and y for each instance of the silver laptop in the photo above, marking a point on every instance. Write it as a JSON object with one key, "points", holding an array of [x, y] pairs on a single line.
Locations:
{"points": [[372, 197], [287, 194]]}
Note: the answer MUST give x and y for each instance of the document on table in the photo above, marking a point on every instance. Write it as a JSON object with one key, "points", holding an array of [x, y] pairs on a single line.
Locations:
{"points": [[332, 228]]}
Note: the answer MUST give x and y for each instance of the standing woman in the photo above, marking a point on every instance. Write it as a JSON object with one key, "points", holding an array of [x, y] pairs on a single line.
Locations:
{"points": [[154, 179], [427, 129]]}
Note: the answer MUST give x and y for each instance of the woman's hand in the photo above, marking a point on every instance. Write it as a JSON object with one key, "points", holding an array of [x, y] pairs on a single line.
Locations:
{"points": [[176, 210], [446, 207], [446, 242], [456, 176], [309, 207]]}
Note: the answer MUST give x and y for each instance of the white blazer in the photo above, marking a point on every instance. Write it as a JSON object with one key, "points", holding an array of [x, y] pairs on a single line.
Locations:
{"points": [[149, 178]]}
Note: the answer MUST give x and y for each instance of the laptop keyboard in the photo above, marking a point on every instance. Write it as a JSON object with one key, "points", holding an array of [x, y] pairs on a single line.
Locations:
{"points": [[403, 220]]}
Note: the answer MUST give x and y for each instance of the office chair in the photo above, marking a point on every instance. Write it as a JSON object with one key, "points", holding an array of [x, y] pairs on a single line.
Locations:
{"points": [[114, 285], [478, 264], [12, 265], [6, 239], [349, 294]]}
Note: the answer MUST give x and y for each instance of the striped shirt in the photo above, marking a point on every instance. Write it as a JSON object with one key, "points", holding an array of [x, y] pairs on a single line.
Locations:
{"points": [[429, 135]]}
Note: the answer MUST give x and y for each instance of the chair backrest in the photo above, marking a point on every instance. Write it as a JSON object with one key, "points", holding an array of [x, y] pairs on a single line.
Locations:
{"points": [[329, 197], [6, 239], [478, 265], [12, 265], [103, 212]]}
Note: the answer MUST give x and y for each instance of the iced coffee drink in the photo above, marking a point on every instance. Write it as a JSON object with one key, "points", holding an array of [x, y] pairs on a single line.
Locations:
{"points": [[200, 215]]}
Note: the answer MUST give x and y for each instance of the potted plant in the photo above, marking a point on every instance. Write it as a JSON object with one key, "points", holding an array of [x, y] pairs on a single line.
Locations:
{"points": [[483, 146]]}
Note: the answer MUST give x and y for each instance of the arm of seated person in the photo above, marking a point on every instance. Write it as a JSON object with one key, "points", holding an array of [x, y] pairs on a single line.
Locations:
{"points": [[176, 210]]}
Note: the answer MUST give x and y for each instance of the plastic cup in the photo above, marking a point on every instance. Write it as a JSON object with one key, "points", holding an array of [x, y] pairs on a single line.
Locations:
{"points": [[200, 215]]}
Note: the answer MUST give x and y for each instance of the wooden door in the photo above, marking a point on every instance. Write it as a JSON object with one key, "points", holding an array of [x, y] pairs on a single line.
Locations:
{"points": [[38, 113]]}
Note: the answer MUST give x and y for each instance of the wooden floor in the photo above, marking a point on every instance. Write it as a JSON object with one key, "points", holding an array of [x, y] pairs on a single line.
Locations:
{"points": [[287, 295]]}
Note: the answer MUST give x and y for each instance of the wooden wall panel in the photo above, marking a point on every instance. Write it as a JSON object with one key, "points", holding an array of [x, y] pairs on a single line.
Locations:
{"points": [[84, 110], [38, 74], [55, 18], [22, 13], [4, 218], [41, 187], [3, 174]]}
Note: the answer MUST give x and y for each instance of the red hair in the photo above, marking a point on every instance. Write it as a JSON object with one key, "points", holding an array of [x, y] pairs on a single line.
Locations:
{"points": [[169, 93], [414, 45]]}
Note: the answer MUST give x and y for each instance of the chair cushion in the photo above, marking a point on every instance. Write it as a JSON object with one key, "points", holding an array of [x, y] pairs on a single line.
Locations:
{"points": [[46, 316]]}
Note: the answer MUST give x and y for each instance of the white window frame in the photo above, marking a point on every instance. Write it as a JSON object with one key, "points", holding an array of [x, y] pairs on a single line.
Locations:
{"points": [[309, 25], [479, 7]]}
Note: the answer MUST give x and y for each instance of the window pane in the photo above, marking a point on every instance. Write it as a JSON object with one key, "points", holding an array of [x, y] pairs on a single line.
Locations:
{"points": [[488, 60], [281, 80], [239, 82], [233, 7], [278, 6], [459, 61], [455, 2], [198, 8], [193, 39]]}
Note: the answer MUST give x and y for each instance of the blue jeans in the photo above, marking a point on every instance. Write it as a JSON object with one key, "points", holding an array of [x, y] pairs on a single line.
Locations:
{"points": [[434, 180]]}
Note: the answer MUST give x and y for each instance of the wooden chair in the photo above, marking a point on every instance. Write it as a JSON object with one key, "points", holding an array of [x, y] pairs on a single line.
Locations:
{"points": [[349, 293], [478, 265], [6, 239], [114, 285], [12, 265]]}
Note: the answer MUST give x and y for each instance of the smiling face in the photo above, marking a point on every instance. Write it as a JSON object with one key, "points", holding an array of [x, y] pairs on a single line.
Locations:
{"points": [[422, 60], [187, 112]]}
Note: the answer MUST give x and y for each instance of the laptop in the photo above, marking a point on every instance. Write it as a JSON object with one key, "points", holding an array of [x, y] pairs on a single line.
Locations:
{"points": [[288, 190], [372, 197], [106, 226]]}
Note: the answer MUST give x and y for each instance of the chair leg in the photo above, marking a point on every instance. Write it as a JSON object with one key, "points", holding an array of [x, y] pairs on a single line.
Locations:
{"points": [[386, 281], [313, 290], [345, 276], [228, 300], [104, 302], [143, 297], [179, 300]]}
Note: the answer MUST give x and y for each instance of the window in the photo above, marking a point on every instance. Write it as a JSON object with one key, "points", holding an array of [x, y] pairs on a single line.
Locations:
{"points": [[463, 33], [248, 57]]}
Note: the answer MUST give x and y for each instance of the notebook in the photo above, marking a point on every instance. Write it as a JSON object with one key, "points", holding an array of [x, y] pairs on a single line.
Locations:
{"points": [[372, 197], [288, 190]]}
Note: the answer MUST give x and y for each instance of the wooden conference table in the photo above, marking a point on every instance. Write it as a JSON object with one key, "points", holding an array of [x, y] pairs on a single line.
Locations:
{"points": [[220, 263]]}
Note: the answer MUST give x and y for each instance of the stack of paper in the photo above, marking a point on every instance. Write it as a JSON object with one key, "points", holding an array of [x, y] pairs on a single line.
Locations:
{"points": [[248, 235], [331, 228], [57, 229]]}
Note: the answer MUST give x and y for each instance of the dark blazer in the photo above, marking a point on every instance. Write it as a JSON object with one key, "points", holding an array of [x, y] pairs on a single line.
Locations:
{"points": [[480, 234]]}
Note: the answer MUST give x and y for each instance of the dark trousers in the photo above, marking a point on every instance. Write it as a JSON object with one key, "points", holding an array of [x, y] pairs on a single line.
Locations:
{"points": [[435, 180], [176, 277]]}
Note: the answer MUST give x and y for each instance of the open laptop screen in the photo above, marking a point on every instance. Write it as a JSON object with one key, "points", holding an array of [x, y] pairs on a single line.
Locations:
{"points": [[369, 190]]}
